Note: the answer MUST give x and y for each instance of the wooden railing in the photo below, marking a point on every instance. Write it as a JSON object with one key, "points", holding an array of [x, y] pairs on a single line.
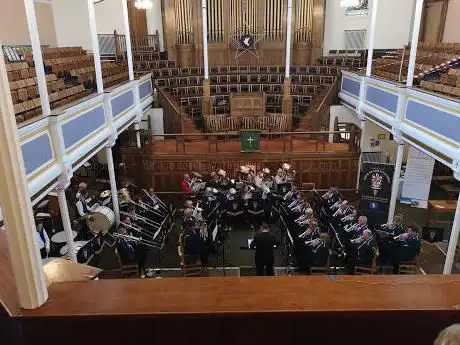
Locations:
{"points": [[172, 114], [321, 113], [115, 44], [270, 142], [225, 123]]}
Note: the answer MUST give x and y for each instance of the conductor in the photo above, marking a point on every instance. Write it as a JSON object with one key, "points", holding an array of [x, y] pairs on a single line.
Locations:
{"points": [[264, 243]]}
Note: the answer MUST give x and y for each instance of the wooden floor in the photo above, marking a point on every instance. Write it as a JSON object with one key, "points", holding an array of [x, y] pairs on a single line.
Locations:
{"points": [[234, 146]]}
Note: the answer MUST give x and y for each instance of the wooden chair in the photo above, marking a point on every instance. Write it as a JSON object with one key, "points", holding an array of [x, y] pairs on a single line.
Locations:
{"points": [[322, 270], [368, 270], [409, 267], [187, 270]]}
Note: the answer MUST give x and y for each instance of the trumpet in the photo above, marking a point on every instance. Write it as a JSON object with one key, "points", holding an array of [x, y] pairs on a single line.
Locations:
{"points": [[314, 242], [357, 240], [336, 205], [401, 237], [351, 227], [347, 218]]}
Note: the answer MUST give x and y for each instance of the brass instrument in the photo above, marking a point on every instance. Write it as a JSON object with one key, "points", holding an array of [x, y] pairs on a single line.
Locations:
{"points": [[404, 236], [136, 239], [347, 218], [336, 205], [350, 228]]}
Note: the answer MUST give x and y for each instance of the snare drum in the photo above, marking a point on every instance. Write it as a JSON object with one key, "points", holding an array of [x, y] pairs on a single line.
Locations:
{"points": [[101, 220]]}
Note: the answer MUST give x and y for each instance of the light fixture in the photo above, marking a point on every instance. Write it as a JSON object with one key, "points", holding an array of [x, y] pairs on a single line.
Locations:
{"points": [[350, 3], [143, 4]]}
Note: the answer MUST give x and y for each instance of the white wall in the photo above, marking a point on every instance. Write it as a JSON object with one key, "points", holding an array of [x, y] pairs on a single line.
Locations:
{"points": [[109, 17], [71, 20], [451, 30], [155, 21], [13, 23], [393, 24]]}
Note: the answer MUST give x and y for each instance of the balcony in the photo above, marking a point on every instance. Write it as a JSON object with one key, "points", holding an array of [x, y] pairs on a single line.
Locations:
{"points": [[54, 147], [424, 120]]}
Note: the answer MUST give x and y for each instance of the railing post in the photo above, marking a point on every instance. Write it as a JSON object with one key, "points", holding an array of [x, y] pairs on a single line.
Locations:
{"points": [[115, 40]]}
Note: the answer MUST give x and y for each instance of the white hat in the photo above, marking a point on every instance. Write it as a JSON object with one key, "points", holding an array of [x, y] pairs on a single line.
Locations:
{"points": [[232, 191], [266, 171]]}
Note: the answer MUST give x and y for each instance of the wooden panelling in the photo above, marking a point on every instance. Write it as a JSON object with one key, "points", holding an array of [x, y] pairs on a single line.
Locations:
{"points": [[137, 20], [164, 173]]}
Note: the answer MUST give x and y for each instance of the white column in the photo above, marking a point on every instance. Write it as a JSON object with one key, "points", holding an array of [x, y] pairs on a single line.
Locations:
{"points": [[37, 55], [288, 39], [17, 208], [204, 19], [453, 240], [395, 185], [95, 46], [371, 37], [361, 144], [66, 223], [129, 53], [113, 184], [414, 42]]}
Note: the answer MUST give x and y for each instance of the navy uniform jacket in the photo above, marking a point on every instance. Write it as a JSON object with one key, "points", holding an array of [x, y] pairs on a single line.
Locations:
{"points": [[192, 242], [410, 248], [396, 231], [366, 251], [320, 254]]}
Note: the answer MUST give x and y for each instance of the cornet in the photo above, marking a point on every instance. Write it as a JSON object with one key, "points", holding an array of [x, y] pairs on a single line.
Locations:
{"points": [[401, 237], [347, 218], [336, 205], [351, 227]]}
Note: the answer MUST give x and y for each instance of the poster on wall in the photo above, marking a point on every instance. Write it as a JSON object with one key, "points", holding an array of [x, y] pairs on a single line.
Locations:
{"points": [[417, 179], [360, 10]]}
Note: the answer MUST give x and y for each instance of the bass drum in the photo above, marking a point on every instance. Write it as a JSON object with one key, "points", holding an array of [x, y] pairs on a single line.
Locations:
{"points": [[101, 220]]}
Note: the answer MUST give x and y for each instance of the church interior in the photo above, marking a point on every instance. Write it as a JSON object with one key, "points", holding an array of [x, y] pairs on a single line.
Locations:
{"points": [[273, 167]]}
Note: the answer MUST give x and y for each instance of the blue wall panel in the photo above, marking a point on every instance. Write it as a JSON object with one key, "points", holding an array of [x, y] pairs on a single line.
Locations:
{"points": [[351, 86], [145, 89], [83, 125], [122, 102], [434, 119], [36, 153], [382, 98]]}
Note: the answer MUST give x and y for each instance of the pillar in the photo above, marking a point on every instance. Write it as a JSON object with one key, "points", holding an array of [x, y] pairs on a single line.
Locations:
{"points": [[361, 144], [395, 185], [95, 46], [453, 238], [206, 101], [370, 44], [37, 55], [16, 206], [113, 184], [66, 222], [129, 53], [414, 42], [287, 99]]}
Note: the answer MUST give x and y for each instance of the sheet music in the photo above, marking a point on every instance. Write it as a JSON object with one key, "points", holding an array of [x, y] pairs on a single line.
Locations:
{"points": [[249, 242]]}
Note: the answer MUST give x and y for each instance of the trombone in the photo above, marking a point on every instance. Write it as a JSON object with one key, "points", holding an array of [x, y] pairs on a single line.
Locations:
{"points": [[136, 239], [141, 218], [141, 230]]}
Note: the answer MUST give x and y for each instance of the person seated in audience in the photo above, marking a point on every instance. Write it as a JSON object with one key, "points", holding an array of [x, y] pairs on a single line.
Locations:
{"points": [[449, 336], [186, 184]]}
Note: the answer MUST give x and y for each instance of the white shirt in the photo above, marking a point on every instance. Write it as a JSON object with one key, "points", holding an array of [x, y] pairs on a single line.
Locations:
{"points": [[40, 242], [80, 208]]}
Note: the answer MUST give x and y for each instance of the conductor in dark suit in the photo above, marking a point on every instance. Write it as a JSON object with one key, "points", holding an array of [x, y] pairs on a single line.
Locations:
{"points": [[264, 243]]}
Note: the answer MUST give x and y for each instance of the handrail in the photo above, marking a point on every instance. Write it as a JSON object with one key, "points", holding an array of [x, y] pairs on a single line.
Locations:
{"points": [[277, 133], [331, 90]]}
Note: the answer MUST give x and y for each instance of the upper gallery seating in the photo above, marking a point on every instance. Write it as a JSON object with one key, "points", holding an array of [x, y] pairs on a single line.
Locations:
{"points": [[344, 58], [183, 86], [430, 59], [448, 83], [70, 76]]}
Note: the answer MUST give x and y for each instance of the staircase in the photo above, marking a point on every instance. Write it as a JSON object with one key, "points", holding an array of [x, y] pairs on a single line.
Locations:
{"points": [[313, 118]]}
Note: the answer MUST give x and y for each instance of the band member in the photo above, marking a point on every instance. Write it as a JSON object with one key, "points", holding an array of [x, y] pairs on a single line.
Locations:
{"points": [[192, 240], [84, 200], [150, 198], [357, 230], [365, 248], [188, 221], [43, 240], [316, 253], [186, 184], [311, 233], [395, 228], [409, 244], [280, 177], [342, 210], [331, 196], [264, 243], [214, 180], [259, 179]]}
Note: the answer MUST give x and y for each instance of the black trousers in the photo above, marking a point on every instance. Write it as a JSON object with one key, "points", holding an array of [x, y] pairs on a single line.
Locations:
{"points": [[265, 269]]}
